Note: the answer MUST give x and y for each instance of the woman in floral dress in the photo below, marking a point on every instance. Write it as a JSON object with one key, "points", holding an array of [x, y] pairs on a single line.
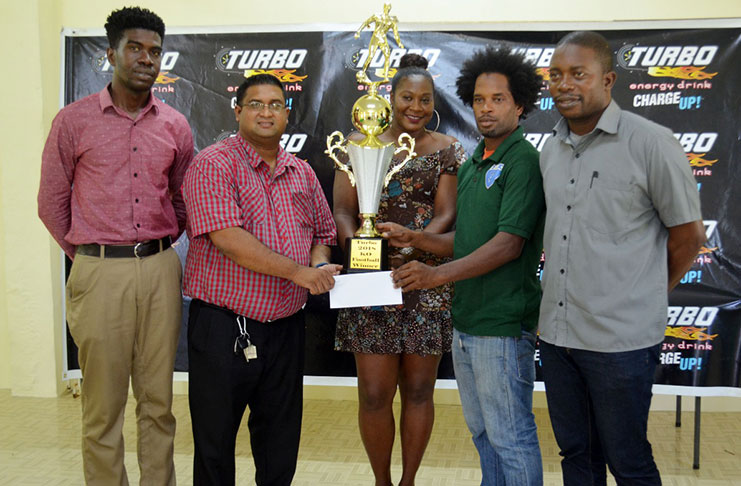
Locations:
{"points": [[402, 345]]}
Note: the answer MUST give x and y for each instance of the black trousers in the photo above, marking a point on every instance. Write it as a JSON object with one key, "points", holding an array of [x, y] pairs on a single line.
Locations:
{"points": [[222, 384]]}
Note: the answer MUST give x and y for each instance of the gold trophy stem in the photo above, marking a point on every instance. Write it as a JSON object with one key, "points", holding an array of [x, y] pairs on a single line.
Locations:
{"points": [[368, 227]]}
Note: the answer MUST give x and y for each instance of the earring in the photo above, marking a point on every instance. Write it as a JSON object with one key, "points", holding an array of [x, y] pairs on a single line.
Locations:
{"points": [[438, 121]]}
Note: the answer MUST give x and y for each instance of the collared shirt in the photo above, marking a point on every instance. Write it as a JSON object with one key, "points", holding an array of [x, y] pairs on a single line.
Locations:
{"points": [[503, 192], [229, 185], [107, 178], [610, 201]]}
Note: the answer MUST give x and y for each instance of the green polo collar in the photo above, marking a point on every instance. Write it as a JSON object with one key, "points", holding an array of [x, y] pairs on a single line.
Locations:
{"points": [[515, 137]]}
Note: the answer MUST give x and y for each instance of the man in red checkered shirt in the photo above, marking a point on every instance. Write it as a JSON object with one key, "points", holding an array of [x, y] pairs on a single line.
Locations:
{"points": [[260, 227]]}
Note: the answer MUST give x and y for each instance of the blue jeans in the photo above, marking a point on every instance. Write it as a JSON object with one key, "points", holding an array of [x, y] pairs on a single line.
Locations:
{"points": [[495, 380], [598, 403]]}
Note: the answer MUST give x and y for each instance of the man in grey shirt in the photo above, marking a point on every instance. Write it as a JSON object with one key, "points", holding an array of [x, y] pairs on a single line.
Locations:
{"points": [[623, 225]]}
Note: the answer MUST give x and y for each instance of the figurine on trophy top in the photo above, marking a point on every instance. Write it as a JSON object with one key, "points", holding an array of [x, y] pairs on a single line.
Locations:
{"points": [[384, 22], [370, 158]]}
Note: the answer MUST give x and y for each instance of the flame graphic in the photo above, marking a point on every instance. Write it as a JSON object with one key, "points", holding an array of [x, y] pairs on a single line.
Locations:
{"points": [[696, 160], [163, 78], [284, 75], [689, 333], [704, 250], [544, 73], [379, 72], [681, 72]]}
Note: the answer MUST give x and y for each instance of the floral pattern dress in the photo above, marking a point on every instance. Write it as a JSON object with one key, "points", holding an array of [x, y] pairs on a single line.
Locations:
{"points": [[422, 325]]}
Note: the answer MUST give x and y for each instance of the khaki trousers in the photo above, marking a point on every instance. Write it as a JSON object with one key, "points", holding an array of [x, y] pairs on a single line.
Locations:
{"points": [[125, 316]]}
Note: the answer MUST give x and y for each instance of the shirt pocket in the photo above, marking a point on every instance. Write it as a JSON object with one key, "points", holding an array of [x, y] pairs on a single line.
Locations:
{"points": [[609, 205], [302, 209], [304, 214], [254, 205]]}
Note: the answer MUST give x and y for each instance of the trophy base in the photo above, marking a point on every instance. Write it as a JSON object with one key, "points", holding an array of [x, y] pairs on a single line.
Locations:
{"points": [[366, 255]]}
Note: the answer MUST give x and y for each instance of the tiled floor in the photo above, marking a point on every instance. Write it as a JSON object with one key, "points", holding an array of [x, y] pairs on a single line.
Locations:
{"points": [[40, 445]]}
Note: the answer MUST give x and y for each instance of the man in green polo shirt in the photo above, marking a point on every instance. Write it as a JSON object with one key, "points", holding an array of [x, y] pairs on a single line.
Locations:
{"points": [[496, 247]]}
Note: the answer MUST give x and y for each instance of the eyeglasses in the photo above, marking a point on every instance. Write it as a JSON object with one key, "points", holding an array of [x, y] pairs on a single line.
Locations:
{"points": [[258, 106]]}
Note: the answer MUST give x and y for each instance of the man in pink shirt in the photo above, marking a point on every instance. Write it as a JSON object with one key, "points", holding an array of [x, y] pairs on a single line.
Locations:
{"points": [[110, 196]]}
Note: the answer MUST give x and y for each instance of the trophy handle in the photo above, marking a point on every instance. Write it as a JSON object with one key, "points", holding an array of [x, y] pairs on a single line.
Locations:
{"points": [[409, 148], [339, 145]]}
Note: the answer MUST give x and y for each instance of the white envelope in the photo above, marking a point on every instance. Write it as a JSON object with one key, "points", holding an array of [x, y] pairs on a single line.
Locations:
{"points": [[363, 290]]}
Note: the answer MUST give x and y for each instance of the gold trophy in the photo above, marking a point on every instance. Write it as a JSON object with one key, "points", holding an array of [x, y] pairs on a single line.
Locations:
{"points": [[370, 158]]}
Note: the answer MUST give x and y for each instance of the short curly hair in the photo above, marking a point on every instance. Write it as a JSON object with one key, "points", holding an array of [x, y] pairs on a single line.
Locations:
{"points": [[132, 18], [524, 82]]}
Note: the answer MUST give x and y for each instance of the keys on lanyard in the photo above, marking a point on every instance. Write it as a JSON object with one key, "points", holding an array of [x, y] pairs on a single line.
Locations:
{"points": [[242, 344]]}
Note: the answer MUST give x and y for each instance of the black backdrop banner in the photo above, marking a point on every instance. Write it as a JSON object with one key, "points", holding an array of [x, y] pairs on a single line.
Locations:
{"points": [[687, 80]]}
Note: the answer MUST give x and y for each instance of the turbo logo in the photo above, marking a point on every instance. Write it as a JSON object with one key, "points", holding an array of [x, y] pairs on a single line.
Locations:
{"points": [[688, 323], [357, 58], [682, 62], [232, 60], [696, 146]]}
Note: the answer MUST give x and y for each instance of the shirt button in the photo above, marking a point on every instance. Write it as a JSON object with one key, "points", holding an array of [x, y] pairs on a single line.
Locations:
{"points": [[563, 271], [134, 149], [136, 175], [577, 156], [564, 237], [136, 200], [568, 208], [560, 304], [138, 225], [572, 181]]}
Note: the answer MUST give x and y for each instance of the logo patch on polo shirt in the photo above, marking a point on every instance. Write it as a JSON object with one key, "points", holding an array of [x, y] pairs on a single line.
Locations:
{"points": [[493, 174]]}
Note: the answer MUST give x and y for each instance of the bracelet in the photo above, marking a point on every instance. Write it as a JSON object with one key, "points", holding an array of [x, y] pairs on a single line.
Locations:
{"points": [[321, 265]]}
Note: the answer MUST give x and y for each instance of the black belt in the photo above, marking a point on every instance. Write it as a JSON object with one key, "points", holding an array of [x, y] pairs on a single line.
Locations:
{"points": [[234, 315], [139, 250]]}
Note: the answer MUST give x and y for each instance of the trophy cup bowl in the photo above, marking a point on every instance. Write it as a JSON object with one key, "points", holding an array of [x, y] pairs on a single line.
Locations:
{"points": [[371, 115]]}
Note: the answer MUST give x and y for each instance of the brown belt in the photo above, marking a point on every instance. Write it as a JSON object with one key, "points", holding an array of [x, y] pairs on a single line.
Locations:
{"points": [[139, 250]]}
